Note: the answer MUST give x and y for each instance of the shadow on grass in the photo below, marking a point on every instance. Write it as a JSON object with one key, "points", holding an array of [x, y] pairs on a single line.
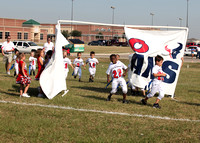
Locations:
{"points": [[9, 93], [193, 104], [96, 89], [194, 91], [32, 91]]}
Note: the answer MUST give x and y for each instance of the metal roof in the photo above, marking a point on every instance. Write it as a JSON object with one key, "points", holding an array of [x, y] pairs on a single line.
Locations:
{"points": [[31, 22]]}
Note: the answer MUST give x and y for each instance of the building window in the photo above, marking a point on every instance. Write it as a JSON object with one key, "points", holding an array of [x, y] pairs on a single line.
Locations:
{"points": [[25, 36], [1, 35], [19, 35], [41, 36], [7, 34]]}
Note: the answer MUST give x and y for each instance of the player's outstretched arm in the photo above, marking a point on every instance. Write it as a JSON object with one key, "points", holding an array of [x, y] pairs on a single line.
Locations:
{"points": [[125, 72], [159, 75], [108, 78], [72, 66], [84, 67]]}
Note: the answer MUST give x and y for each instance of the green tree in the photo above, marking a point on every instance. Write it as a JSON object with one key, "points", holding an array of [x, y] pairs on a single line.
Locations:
{"points": [[65, 33], [76, 33], [123, 36], [99, 36]]}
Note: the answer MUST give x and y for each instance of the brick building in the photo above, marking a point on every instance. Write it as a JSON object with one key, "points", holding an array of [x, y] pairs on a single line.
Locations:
{"points": [[22, 30], [32, 30]]}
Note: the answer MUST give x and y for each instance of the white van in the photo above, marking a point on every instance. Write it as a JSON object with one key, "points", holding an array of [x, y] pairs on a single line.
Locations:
{"points": [[26, 46]]}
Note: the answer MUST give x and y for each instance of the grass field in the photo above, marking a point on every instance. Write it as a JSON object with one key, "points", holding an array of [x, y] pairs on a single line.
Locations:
{"points": [[20, 123]]}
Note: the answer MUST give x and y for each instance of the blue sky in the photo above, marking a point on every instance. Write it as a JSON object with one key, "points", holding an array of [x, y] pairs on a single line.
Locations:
{"points": [[167, 12]]}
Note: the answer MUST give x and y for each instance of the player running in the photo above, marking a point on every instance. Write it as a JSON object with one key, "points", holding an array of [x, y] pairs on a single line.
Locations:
{"points": [[116, 69], [157, 82], [78, 62], [92, 65]]}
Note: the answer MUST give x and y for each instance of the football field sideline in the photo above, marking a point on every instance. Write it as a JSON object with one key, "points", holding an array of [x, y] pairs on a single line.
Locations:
{"points": [[98, 111]]}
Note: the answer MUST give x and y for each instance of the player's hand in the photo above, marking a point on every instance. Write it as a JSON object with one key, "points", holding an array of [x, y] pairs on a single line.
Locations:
{"points": [[84, 68], [108, 80], [164, 74], [124, 74]]}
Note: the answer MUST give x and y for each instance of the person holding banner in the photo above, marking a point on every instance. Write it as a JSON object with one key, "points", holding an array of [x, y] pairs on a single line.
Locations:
{"points": [[116, 69], [157, 82]]}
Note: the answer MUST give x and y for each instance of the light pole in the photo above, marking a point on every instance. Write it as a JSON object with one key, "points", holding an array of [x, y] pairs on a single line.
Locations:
{"points": [[187, 25], [113, 18], [152, 18], [180, 19], [72, 16]]}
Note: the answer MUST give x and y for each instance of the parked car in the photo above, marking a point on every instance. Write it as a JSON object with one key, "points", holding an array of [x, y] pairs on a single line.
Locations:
{"points": [[115, 42], [26, 46], [94, 43], [188, 50], [98, 43], [191, 44]]}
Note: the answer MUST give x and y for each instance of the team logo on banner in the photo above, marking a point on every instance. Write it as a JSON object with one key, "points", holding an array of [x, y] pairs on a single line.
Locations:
{"points": [[138, 45], [174, 52]]}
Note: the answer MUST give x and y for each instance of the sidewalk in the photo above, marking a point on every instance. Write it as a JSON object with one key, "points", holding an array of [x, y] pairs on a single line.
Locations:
{"points": [[187, 59]]}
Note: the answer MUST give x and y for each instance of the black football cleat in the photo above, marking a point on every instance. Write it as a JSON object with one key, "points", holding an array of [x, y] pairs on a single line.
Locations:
{"points": [[144, 102], [125, 101], [156, 105], [109, 98]]}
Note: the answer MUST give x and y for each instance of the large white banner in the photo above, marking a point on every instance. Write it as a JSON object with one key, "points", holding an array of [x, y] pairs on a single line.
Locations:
{"points": [[52, 79], [149, 43]]}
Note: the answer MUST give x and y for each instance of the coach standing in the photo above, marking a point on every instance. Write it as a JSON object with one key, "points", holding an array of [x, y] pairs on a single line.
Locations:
{"points": [[48, 46], [7, 49]]}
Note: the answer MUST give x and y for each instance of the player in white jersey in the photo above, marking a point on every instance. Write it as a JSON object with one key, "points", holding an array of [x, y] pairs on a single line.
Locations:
{"points": [[116, 69], [48, 46], [78, 62], [92, 65], [32, 63], [157, 82], [66, 62]]}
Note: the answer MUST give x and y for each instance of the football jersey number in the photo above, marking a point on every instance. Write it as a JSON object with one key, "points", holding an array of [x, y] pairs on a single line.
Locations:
{"points": [[66, 65], [117, 73], [78, 64], [160, 78], [92, 65], [33, 62]]}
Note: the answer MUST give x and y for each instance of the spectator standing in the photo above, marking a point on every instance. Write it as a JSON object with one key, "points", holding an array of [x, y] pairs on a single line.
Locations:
{"points": [[48, 46], [198, 52], [7, 49]]}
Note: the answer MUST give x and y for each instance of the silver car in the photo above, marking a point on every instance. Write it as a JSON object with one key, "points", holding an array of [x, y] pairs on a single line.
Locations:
{"points": [[26, 46], [189, 52]]}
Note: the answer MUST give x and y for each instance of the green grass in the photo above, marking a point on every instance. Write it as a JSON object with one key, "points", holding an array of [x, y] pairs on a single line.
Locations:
{"points": [[38, 124], [108, 49]]}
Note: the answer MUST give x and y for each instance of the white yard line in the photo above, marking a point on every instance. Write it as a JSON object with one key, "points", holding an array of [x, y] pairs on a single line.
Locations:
{"points": [[99, 111]]}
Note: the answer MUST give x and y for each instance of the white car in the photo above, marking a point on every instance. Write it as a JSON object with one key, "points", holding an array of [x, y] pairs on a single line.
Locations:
{"points": [[26, 46], [188, 50]]}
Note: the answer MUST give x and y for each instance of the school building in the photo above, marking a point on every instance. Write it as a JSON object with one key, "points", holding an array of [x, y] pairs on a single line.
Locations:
{"points": [[31, 30]]}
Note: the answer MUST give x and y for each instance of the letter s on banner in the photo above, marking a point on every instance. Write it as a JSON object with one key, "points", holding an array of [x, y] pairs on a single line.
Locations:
{"points": [[138, 45], [171, 73]]}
